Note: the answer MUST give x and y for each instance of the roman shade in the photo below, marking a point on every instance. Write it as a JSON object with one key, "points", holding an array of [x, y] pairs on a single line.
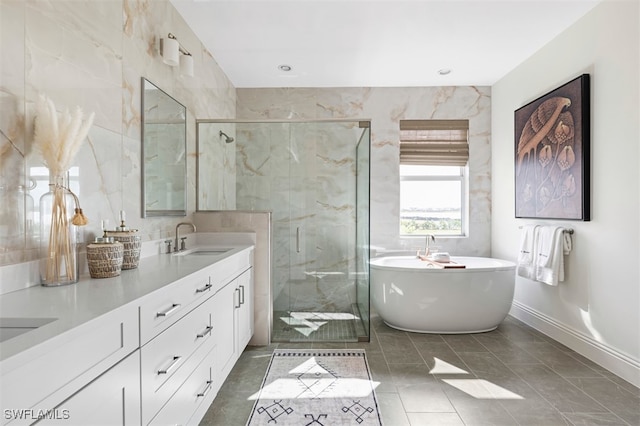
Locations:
{"points": [[434, 142]]}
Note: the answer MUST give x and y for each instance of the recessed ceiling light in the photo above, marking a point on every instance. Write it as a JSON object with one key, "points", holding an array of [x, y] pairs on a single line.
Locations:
{"points": [[444, 71], [285, 68]]}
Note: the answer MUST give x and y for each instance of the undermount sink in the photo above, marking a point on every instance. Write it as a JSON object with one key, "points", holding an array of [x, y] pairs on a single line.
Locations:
{"points": [[203, 251], [12, 327]]}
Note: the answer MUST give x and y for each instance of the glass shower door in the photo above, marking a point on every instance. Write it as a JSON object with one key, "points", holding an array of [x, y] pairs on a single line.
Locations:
{"points": [[323, 231], [313, 177]]}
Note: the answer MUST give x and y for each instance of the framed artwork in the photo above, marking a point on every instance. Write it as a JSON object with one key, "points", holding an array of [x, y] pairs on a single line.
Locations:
{"points": [[552, 154]]}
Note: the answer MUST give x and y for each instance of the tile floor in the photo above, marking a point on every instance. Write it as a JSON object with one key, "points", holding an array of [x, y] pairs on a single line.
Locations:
{"points": [[511, 376], [310, 326]]}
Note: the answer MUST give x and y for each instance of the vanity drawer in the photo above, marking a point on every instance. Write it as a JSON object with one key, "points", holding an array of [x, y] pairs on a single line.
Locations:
{"points": [[48, 373], [199, 388], [112, 399], [168, 359], [160, 310]]}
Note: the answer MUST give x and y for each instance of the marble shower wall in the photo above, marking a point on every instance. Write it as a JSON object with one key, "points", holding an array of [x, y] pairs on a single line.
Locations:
{"points": [[93, 54], [216, 166], [386, 107], [305, 174]]}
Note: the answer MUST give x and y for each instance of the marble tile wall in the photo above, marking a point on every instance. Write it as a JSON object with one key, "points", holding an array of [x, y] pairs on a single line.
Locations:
{"points": [[385, 107], [305, 174], [216, 166], [92, 54]]}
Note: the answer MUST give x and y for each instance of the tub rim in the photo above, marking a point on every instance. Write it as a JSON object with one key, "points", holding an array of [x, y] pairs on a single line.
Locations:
{"points": [[504, 265]]}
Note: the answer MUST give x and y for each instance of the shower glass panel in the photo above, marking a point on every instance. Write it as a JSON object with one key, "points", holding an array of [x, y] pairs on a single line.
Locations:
{"points": [[363, 153], [314, 178]]}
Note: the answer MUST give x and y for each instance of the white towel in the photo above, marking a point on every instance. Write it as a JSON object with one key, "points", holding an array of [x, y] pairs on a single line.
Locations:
{"points": [[549, 258], [526, 261]]}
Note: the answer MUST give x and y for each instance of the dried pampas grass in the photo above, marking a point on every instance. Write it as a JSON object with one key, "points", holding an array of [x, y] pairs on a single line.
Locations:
{"points": [[58, 138]]}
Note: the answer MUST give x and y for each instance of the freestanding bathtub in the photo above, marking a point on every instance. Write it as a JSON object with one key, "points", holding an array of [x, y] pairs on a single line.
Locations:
{"points": [[411, 295]]}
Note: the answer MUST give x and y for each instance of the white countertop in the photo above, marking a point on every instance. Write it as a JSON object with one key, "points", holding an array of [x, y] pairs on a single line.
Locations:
{"points": [[89, 298]]}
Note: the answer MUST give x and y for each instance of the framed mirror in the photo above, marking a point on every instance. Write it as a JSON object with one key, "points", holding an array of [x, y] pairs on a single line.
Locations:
{"points": [[164, 149]]}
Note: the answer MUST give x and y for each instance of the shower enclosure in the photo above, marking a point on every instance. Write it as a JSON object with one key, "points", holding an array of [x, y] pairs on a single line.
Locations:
{"points": [[314, 178]]}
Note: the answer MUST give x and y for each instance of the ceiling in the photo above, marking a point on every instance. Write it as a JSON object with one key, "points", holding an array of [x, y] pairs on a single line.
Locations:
{"points": [[375, 43]]}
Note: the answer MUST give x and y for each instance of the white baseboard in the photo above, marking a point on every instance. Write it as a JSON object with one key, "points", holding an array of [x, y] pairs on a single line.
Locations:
{"points": [[613, 360]]}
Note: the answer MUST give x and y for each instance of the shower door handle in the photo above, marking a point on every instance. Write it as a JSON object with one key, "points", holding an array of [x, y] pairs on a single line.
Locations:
{"points": [[298, 239]]}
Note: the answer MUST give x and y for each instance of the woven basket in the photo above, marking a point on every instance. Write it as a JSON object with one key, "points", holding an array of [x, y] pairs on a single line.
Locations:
{"points": [[132, 244], [105, 259]]}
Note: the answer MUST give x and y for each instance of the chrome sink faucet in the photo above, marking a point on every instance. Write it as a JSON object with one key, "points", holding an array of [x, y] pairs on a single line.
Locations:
{"points": [[183, 245]]}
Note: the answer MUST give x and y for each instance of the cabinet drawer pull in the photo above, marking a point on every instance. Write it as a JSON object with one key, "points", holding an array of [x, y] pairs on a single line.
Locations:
{"points": [[242, 295], [168, 312], [205, 332], [203, 289], [174, 363], [206, 389], [234, 300]]}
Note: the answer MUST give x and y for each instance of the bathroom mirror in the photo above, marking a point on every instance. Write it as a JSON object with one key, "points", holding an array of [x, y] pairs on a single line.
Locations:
{"points": [[164, 147]]}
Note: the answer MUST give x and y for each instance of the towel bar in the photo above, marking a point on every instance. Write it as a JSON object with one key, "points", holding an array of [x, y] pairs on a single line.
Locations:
{"points": [[566, 230]]}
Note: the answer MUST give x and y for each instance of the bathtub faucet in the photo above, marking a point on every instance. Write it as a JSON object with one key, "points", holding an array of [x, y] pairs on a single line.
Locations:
{"points": [[430, 238]]}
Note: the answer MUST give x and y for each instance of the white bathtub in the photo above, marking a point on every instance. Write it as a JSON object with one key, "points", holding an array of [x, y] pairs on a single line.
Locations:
{"points": [[411, 296]]}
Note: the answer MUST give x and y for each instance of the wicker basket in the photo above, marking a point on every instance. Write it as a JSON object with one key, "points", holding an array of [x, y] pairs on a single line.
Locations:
{"points": [[132, 244], [105, 259]]}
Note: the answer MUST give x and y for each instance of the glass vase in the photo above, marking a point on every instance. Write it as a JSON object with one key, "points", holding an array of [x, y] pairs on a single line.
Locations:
{"points": [[58, 237]]}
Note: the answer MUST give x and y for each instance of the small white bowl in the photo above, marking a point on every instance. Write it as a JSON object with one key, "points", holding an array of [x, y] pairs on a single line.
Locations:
{"points": [[441, 257]]}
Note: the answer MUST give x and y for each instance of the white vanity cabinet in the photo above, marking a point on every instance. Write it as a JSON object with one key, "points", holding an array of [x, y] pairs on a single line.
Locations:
{"points": [[153, 357], [233, 309], [191, 401], [184, 365], [112, 399], [244, 311], [170, 358], [163, 308], [226, 351], [44, 377]]}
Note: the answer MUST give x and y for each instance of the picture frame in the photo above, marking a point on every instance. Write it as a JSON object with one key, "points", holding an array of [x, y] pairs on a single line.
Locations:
{"points": [[552, 154]]}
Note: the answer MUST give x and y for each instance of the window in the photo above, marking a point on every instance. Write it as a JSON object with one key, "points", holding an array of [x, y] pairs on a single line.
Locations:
{"points": [[431, 200], [433, 159]]}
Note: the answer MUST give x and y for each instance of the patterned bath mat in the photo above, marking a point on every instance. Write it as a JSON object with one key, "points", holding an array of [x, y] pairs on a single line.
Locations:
{"points": [[320, 387]]}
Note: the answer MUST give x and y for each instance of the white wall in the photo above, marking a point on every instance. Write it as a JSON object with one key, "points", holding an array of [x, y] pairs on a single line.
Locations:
{"points": [[597, 309]]}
